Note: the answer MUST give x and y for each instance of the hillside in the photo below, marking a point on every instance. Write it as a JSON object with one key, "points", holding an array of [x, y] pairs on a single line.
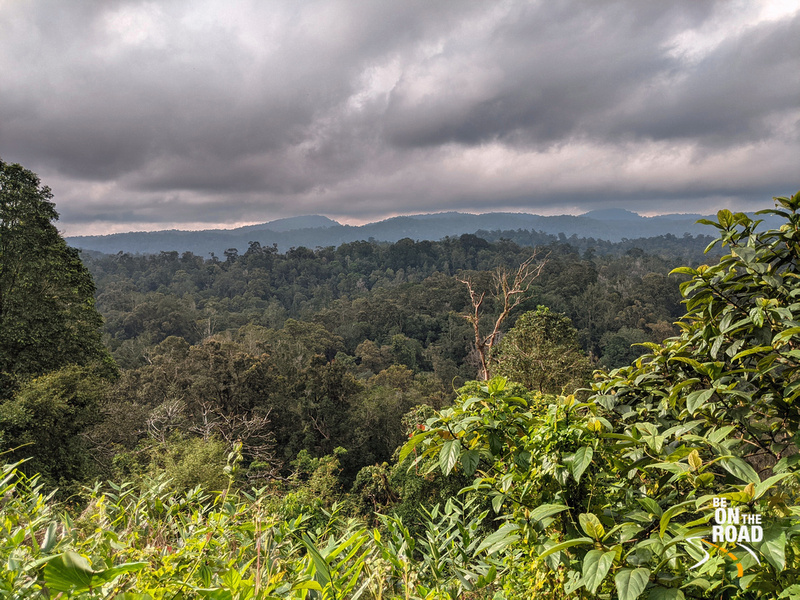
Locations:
{"points": [[612, 225]]}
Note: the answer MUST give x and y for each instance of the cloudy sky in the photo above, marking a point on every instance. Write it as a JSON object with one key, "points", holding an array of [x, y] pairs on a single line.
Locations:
{"points": [[215, 113]]}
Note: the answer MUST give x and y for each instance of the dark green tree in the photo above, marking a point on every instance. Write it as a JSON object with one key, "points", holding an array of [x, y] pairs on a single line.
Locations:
{"points": [[47, 314], [46, 420], [542, 353]]}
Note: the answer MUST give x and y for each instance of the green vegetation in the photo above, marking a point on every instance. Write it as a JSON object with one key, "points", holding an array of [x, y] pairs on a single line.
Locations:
{"points": [[542, 353], [307, 424], [47, 314], [613, 495]]}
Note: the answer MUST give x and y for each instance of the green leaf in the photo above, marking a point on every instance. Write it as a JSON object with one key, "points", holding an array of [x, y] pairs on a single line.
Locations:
{"points": [[725, 218], [583, 458], [792, 592], [773, 548], [750, 351], [689, 361], [470, 460], [565, 545], [596, 564], [307, 585], [495, 443], [696, 399], [499, 540], [497, 502], [321, 567], [717, 435], [413, 443], [740, 469], [68, 572], [112, 573], [71, 572], [663, 593], [591, 525], [651, 506], [546, 510], [785, 335], [765, 485], [631, 583], [673, 511], [50, 538], [448, 455]]}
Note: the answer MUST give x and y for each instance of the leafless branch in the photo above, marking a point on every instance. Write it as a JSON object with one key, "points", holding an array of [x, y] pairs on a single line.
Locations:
{"points": [[510, 287]]}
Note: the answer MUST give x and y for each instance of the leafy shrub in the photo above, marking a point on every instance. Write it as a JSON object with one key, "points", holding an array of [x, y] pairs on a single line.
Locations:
{"points": [[616, 495]]}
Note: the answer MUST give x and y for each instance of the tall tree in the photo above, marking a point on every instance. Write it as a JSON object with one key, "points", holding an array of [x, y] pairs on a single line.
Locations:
{"points": [[542, 353], [47, 314], [509, 290]]}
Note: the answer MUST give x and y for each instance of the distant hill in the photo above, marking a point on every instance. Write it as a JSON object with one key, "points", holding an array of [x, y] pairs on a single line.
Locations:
{"points": [[291, 224], [312, 231]]}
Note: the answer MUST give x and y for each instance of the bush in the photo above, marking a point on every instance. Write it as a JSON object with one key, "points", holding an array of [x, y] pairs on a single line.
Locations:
{"points": [[618, 495]]}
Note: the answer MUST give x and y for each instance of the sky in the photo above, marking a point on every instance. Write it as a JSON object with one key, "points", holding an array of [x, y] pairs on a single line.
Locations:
{"points": [[199, 114]]}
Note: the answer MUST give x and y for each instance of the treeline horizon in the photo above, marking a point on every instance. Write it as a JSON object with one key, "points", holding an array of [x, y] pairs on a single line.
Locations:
{"points": [[329, 348]]}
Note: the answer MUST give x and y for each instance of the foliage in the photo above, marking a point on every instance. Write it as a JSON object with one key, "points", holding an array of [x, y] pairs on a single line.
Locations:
{"points": [[542, 353], [190, 463], [302, 372], [154, 544], [612, 495], [329, 348], [366, 291], [47, 314], [44, 422]]}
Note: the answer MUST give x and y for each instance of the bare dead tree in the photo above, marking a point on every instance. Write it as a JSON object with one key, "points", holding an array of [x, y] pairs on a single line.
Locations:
{"points": [[165, 418], [252, 430], [510, 288]]}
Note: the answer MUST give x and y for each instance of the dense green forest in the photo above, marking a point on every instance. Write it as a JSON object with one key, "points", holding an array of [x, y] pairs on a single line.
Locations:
{"points": [[336, 344], [419, 419]]}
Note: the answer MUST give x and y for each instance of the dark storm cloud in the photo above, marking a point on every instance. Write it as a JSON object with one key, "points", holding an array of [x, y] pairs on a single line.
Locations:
{"points": [[553, 73], [176, 113]]}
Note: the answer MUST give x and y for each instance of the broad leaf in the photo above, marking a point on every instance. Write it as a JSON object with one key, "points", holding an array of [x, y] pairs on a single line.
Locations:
{"points": [[470, 460], [696, 399], [596, 564], [500, 539], [631, 583], [546, 510], [68, 572], [448, 455], [583, 458], [565, 545], [591, 525], [773, 548], [412, 443], [740, 469]]}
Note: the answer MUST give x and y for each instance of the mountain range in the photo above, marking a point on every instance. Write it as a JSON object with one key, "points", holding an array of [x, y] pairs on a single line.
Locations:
{"points": [[315, 230]]}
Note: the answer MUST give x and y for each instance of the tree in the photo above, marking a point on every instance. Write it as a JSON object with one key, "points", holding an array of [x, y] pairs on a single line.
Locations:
{"points": [[542, 353], [45, 420], [47, 314], [509, 289]]}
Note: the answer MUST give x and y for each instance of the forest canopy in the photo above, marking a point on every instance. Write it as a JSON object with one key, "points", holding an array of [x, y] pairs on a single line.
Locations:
{"points": [[316, 423]]}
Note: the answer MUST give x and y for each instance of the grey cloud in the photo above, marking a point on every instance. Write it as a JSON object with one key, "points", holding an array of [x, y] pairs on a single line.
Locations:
{"points": [[223, 112], [603, 73]]}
